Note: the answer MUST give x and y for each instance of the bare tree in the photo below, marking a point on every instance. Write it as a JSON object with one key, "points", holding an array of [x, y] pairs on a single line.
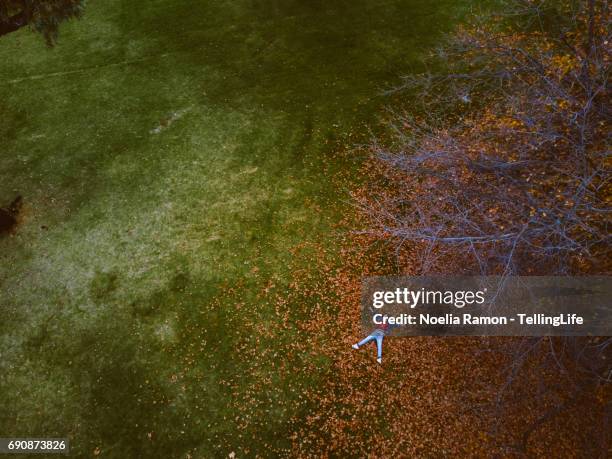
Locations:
{"points": [[505, 169]]}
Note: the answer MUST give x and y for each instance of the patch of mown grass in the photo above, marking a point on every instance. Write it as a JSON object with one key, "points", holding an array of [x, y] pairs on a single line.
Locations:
{"points": [[170, 153]]}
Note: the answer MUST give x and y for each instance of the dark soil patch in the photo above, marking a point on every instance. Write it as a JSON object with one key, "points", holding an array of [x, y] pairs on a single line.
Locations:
{"points": [[8, 216]]}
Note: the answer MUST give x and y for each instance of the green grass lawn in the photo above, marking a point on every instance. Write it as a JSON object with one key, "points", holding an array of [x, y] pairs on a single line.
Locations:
{"points": [[169, 154]]}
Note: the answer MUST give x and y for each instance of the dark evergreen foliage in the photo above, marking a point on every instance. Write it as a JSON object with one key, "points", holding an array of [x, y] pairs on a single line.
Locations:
{"points": [[43, 16]]}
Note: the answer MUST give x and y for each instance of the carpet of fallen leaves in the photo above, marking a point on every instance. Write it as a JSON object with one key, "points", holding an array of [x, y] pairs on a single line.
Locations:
{"points": [[430, 397]]}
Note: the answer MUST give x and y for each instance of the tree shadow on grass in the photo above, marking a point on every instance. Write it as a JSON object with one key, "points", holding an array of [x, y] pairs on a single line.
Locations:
{"points": [[285, 54]]}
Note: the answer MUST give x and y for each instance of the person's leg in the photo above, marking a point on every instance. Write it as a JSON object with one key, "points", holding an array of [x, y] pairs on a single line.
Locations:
{"points": [[366, 340], [379, 341]]}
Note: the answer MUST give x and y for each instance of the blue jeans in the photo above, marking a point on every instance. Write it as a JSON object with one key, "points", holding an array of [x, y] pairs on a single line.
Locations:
{"points": [[379, 340]]}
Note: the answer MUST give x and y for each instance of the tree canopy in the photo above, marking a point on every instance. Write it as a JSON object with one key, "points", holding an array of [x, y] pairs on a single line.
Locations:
{"points": [[43, 16]]}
